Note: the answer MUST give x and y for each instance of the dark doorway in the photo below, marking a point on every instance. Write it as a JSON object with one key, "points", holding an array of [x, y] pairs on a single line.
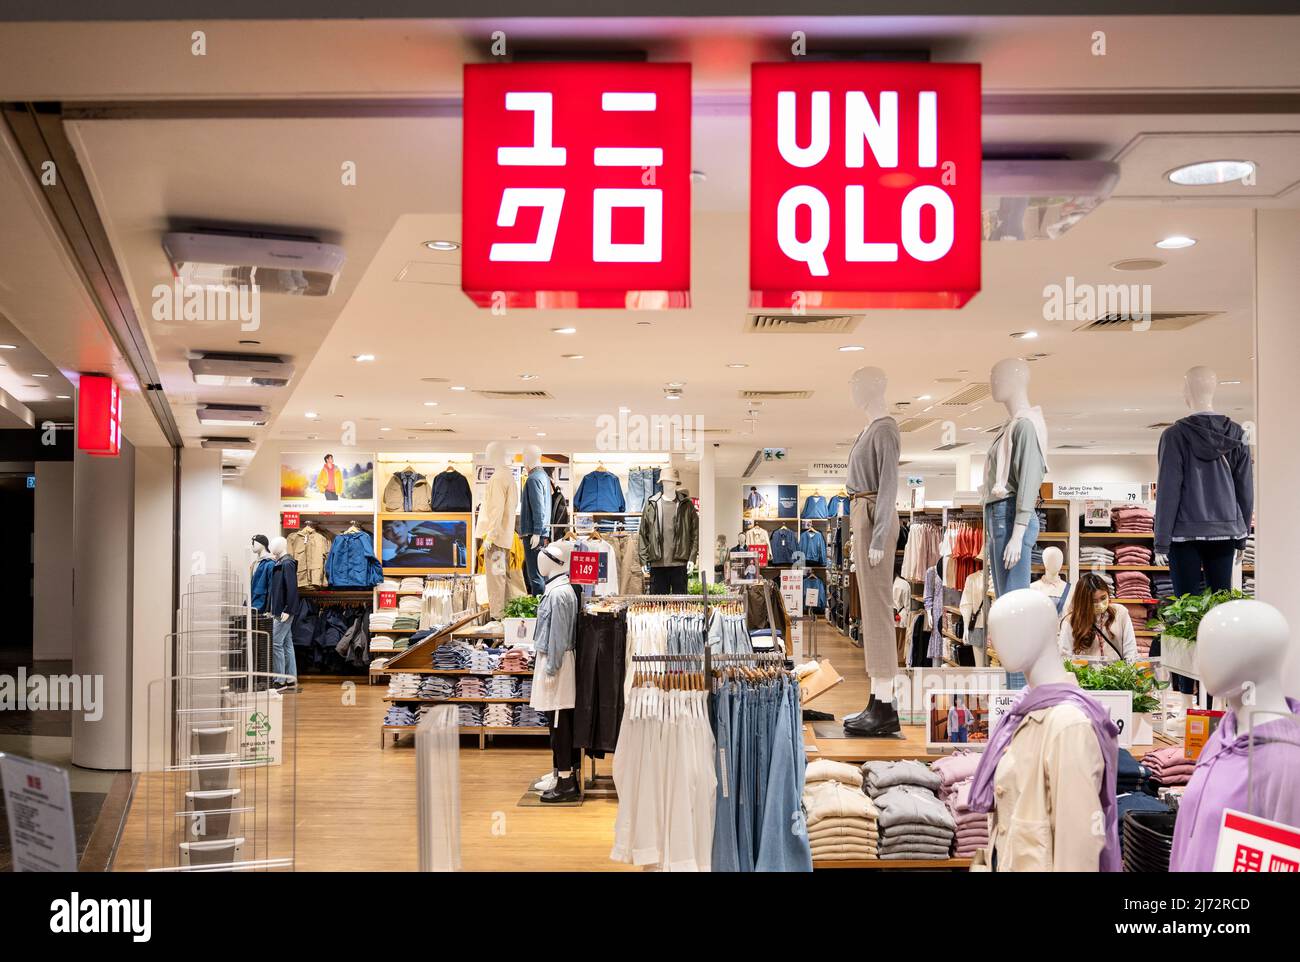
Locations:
{"points": [[18, 511]]}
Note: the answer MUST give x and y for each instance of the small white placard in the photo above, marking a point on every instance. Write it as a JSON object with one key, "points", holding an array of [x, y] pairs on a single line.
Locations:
{"points": [[38, 804]]}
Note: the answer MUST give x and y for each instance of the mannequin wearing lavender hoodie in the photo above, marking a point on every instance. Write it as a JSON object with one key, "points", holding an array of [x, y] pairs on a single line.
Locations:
{"points": [[1240, 650]]}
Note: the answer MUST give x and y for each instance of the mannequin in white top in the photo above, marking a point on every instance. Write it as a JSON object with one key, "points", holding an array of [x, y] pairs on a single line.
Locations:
{"points": [[1241, 650], [1009, 386], [1051, 583], [496, 523]]}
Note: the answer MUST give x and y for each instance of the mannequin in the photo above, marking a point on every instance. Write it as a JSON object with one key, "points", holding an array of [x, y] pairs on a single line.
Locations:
{"points": [[1051, 583], [260, 572], [554, 674], [1048, 774], [669, 536], [872, 486], [534, 515], [496, 523], [281, 604], [1013, 475], [1241, 650]]}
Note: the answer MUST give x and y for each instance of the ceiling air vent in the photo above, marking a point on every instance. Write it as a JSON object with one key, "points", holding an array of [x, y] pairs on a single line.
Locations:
{"points": [[242, 415], [802, 323], [1073, 447], [949, 447], [754, 462], [1160, 425], [431, 430], [221, 369], [970, 394], [916, 424], [1160, 321], [516, 395], [242, 444], [716, 431], [775, 395]]}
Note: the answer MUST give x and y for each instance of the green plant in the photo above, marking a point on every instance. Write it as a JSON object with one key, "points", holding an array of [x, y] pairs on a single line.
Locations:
{"points": [[715, 588], [525, 606], [1120, 676], [1180, 616]]}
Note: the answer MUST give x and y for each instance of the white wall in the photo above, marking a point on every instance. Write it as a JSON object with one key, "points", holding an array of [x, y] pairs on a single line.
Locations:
{"points": [[201, 532], [152, 584], [1099, 467], [53, 562]]}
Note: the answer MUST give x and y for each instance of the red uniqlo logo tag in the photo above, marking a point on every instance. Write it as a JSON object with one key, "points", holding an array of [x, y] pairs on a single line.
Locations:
{"points": [[576, 188], [422, 541], [864, 185], [289, 520], [34, 782], [584, 567]]}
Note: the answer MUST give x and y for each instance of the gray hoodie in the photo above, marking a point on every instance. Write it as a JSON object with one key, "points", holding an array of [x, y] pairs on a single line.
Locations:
{"points": [[1204, 487]]}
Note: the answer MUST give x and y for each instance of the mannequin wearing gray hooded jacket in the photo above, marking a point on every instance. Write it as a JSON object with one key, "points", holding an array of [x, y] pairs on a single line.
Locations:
{"points": [[1205, 486]]}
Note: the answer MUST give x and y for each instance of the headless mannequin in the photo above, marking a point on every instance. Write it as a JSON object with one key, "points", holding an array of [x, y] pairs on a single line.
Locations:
{"points": [[532, 459], [496, 523], [1051, 583], [1241, 650], [553, 564], [1009, 384], [874, 522], [278, 547]]}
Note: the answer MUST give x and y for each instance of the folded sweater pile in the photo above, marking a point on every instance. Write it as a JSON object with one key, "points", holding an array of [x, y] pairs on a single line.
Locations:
{"points": [[914, 824], [1132, 584], [1132, 519], [1132, 554], [841, 820], [880, 777], [1092, 555], [1168, 766], [972, 827], [953, 769]]}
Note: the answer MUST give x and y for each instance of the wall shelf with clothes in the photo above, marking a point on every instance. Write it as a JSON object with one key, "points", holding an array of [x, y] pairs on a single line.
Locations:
{"points": [[406, 605], [615, 483]]}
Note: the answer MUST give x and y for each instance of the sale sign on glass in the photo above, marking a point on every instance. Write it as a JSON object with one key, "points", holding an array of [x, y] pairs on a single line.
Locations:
{"points": [[864, 187], [584, 567], [576, 185]]}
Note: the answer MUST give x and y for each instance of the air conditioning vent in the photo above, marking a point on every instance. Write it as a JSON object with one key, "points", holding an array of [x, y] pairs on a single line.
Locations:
{"points": [[716, 431], [916, 424], [515, 395], [1160, 321], [775, 395], [754, 462], [1072, 447], [802, 323], [275, 265], [949, 447], [242, 444], [240, 370], [241, 415], [1160, 425], [431, 430], [970, 394]]}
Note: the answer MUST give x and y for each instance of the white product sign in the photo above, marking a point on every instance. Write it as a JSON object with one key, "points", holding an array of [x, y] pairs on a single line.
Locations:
{"points": [[792, 592], [1120, 706], [828, 469], [1130, 491], [1251, 844], [38, 804], [1096, 514], [796, 640], [261, 726], [1000, 702], [810, 597]]}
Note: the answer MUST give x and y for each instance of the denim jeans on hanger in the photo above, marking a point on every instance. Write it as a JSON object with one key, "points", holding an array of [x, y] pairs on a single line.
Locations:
{"points": [[283, 661], [725, 858], [638, 489], [999, 522]]}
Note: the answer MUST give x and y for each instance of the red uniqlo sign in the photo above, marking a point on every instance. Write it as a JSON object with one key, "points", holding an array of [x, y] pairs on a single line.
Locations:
{"points": [[99, 416], [289, 520], [388, 599], [584, 567], [864, 188], [576, 186]]}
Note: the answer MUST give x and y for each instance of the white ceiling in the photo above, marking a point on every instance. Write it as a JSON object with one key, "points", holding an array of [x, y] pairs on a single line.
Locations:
{"points": [[151, 175]]}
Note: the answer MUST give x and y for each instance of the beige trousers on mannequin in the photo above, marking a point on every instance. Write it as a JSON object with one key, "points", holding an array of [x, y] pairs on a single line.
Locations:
{"points": [[502, 583], [879, 645]]}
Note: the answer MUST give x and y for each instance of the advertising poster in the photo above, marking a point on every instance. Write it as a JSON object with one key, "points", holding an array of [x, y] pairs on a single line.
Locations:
{"points": [[417, 544], [770, 501], [324, 482]]}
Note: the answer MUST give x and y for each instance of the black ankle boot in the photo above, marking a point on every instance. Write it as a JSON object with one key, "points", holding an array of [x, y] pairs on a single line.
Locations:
{"points": [[565, 790], [853, 719], [879, 720]]}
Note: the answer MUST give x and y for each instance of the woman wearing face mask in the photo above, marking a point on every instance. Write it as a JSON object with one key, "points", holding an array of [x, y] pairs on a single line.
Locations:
{"points": [[1096, 626]]}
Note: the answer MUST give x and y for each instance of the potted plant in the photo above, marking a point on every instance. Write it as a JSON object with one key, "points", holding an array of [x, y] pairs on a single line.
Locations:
{"points": [[1178, 620], [1123, 676], [520, 620]]}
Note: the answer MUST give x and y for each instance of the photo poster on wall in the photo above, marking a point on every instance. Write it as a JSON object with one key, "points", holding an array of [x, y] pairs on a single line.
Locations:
{"points": [[766, 502], [327, 482], [958, 718], [416, 544]]}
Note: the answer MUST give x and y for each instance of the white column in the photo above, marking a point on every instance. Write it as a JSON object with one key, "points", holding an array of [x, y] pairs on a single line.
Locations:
{"points": [[152, 588], [201, 542], [1277, 456], [708, 510]]}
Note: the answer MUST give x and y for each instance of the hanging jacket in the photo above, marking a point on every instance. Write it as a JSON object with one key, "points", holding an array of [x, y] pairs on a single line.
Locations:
{"points": [[354, 646], [309, 549], [559, 508], [812, 583], [814, 506], [837, 506], [600, 491], [514, 557], [352, 562], [261, 583], [535, 504], [282, 590], [450, 492], [783, 543], [1204, 484], [686, 531], [407, 491], [813, 546]]}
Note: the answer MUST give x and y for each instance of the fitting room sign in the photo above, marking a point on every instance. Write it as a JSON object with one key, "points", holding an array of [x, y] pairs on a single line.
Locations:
{"points": [[864, 185], [576, 185]]}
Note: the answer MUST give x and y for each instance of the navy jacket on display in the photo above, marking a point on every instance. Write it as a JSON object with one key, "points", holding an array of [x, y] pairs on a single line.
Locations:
{"points": [[282, 592], [261, 583], [600, 491], [450, 492], [781, 551], [813, 546], [535, 505], [1204, 484], [352, 562]]}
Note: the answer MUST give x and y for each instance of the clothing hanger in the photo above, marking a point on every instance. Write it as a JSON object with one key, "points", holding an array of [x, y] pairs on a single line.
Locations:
{"points": [[600, 466]]}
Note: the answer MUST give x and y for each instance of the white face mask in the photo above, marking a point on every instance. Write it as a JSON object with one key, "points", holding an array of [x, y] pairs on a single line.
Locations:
{"points": [[1099, 607]]}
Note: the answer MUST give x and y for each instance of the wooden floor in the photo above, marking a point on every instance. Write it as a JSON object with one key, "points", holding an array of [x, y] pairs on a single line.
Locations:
{"points": [[356, 808]]}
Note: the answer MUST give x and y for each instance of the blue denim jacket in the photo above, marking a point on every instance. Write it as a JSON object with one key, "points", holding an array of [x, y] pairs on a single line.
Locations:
{"points": [[352, 562], [781, 551], [261, 583], [814, 506], [535, 506], [599, 491], [811, 582], [836, 506], [813, 546]]}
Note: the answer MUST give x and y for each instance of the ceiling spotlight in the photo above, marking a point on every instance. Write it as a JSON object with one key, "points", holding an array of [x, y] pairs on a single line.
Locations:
{"points": [[442, 245], [385, 429], [673, 396], [528, 377], [852, 347], [40, 375], [564, 330], [363, 357], [1229, 382], [573, 357], [737, 366], [458, 387], [541, 434], [1025, 335], [8, 347], [923, 397], [1210, 172], [431, 404], [1176, 242], [624, 409], [311, 415], [68, 397]]}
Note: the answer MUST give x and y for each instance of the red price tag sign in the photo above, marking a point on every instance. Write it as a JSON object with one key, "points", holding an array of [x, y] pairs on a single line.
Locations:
{"points": [[584, 567], [289, 520], [388, 599], [761, 551]]}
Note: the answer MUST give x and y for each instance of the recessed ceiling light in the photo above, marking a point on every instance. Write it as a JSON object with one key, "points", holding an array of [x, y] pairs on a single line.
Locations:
{"points": [[1229, 382], [564, 330], [458, 387], [1131, 410], [8, 347], [431, 404], [311, 415], [385, 429], [1025, 335], [674, 396], [528, 377], [923, 397], [68, 397], [573, 357], [442, 245], [737, 366], [1176, 242], [852, 347], [1209, 172], [624, 409], [363, 357], [541, 434]]}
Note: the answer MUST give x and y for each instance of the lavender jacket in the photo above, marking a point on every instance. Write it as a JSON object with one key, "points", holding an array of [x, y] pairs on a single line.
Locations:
{"points": [[1221, 780]]}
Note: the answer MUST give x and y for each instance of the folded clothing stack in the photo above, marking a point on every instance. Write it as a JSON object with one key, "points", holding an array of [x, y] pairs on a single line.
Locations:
{"points": [[1132, 584], [526, 716], [471, 716], [382, 620], [972, 827], [498, 716], [1168, 766], [409, 604], [841, 821], [525, 688], [1132, 775], [381, 643], [516, 659], [1091, 555], [399, 715], [1144, 646], [1132, 554], [406, 622], [484, 659], [1248, 554], [437, 686], [1162, 586], [1132, 519], [1036, 555], [879, 777], [404, 685], [500, 686], [453, 657], [388, 584], [1248, 585], [953, 769], [470, 686], [914, 824], [378, 664], [411, 583]]}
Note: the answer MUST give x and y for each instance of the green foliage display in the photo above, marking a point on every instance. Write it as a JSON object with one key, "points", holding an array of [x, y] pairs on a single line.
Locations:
{"points": [[1120, 676], [715, 588], [1180, 616], [525, 606]]}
